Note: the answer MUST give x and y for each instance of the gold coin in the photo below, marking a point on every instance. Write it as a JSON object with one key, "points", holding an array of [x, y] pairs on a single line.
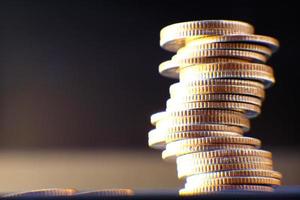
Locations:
{"points": [[234, 173], [216, 97], [247, 71], [172, 137], [204, 127], [182, 160], [184, 171], [220, 188], [229, 152], [106, 193], [173, 37], [267, 41], [174, 149], [185, 168], [189, 57], [222, 82], [157, 139], [250, 110], [170, 68], [217, 140], [204, 117], [157, 117], [246, 180], [44, 193], [178, 90], [195, 45]]}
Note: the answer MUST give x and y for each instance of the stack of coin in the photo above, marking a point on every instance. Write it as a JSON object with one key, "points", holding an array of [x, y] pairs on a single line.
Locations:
{"points": [[222, 76]]}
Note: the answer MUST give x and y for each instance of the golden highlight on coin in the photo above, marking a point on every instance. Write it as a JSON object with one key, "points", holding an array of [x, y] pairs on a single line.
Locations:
{"points": [[51, 192], [222, 76]]}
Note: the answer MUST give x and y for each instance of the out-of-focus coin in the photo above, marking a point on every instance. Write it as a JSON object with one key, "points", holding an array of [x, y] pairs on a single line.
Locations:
{"points": [[157, 117], [106, 193], [43, 193], [157, 139], [223, 188]]}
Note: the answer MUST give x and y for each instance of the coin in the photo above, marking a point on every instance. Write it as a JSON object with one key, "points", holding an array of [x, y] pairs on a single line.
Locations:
{"points": [[170, 68], [205, 117], [106, 193], [218, 140], [247, 71], [204, 127], [250, 110], [157, 139], [184, 171], [172, 137], [187, 58], [215, 97], [229, 152], [43, 193], [182, 160], [157, 117], [246, 180], [175, 149], [197, 45], [178, 90], [222, 188], [267, 41], [174, 36], [234, 173]]}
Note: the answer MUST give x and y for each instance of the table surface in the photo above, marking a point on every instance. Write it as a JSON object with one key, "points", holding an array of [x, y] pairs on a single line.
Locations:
{"points": [[283, 193]]}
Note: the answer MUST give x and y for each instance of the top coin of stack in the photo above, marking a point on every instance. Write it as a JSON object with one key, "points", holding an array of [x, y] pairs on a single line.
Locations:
{"points": [[222, 76]]}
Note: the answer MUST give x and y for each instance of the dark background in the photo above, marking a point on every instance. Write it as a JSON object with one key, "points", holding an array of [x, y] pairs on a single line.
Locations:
{"points": [[83, 74]]}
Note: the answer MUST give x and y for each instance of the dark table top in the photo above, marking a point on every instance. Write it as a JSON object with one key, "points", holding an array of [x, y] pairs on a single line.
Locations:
{"points": [[282, 193]]}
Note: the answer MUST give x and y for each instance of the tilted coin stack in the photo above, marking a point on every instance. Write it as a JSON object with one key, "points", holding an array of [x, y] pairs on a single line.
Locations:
{"points": [[222, 82]]}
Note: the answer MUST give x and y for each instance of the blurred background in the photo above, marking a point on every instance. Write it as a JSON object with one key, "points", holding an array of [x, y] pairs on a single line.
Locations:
{"points": [[79, 81]]}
